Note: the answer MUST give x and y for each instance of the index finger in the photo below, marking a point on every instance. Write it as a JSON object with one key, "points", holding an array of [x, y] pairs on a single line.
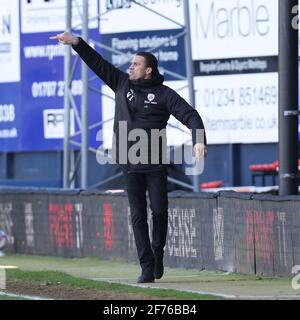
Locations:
{"points": [[53, 37]]}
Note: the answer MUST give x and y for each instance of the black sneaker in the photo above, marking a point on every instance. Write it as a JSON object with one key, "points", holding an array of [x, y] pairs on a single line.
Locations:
{"points": [[158, 267], [145, 279]]}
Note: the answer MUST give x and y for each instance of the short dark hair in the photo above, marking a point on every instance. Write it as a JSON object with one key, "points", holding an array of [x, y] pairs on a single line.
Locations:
{"points": [[150, 61]]}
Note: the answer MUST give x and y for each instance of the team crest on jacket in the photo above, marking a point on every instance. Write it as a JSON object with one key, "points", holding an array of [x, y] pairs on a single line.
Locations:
{"points": [[151, 97]]}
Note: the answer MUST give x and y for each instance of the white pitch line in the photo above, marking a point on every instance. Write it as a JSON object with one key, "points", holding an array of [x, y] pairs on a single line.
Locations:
{"points": [[228, 296], [13, 295], [113, 279], [217, 294]]}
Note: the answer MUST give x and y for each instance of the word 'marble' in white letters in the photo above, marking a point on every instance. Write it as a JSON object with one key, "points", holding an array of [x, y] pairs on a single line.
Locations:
{"points": [[131, 311]]}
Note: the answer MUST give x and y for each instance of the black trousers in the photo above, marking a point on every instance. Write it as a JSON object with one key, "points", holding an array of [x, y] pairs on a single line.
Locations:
{"points": [[136, 185]]}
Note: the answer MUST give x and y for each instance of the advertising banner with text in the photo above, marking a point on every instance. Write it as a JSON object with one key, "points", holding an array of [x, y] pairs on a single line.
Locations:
{"points": [[10, 107], [42, 65], [235, 53]]}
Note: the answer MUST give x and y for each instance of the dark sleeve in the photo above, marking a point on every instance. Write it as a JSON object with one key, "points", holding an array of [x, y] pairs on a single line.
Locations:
{"points": [[111, 75], [187, 115]]}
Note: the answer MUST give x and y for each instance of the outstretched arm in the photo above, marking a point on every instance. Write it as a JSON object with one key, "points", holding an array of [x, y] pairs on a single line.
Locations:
{"points": [[111, 75]]}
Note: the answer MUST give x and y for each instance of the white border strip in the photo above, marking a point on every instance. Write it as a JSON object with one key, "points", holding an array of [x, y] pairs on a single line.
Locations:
{"points": [[153, 286], [217, 294], [12, 295]]}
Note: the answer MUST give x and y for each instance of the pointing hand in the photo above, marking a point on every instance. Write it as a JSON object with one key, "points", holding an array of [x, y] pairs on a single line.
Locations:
{"points": [[66, 38]]}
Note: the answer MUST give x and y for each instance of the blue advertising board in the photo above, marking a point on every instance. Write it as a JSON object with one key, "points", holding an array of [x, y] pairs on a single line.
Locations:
{"points": [[10, 107], [10, 117], [42, 74], [170, 54], [32, 75]]}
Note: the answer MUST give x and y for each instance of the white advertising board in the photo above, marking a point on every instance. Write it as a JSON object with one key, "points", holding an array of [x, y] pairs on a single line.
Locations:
{"points": [[50, 16], [239, 108], [127, 16], [9, 41], [235, 53], [233, 28]]}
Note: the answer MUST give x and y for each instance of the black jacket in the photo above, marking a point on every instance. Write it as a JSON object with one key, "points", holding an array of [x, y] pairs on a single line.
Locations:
{"points": [[144, 104]]}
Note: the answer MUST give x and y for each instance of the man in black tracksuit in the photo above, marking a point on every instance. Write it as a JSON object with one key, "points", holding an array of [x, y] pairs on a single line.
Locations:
{"points": [[144, 103]]}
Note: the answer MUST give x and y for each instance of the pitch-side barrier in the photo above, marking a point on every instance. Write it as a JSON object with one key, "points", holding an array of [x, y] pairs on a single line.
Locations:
{"points": [[229, 231]]}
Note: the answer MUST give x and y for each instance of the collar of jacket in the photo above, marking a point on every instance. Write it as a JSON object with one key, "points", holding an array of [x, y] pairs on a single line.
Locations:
{"points": [[155, 81]]}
